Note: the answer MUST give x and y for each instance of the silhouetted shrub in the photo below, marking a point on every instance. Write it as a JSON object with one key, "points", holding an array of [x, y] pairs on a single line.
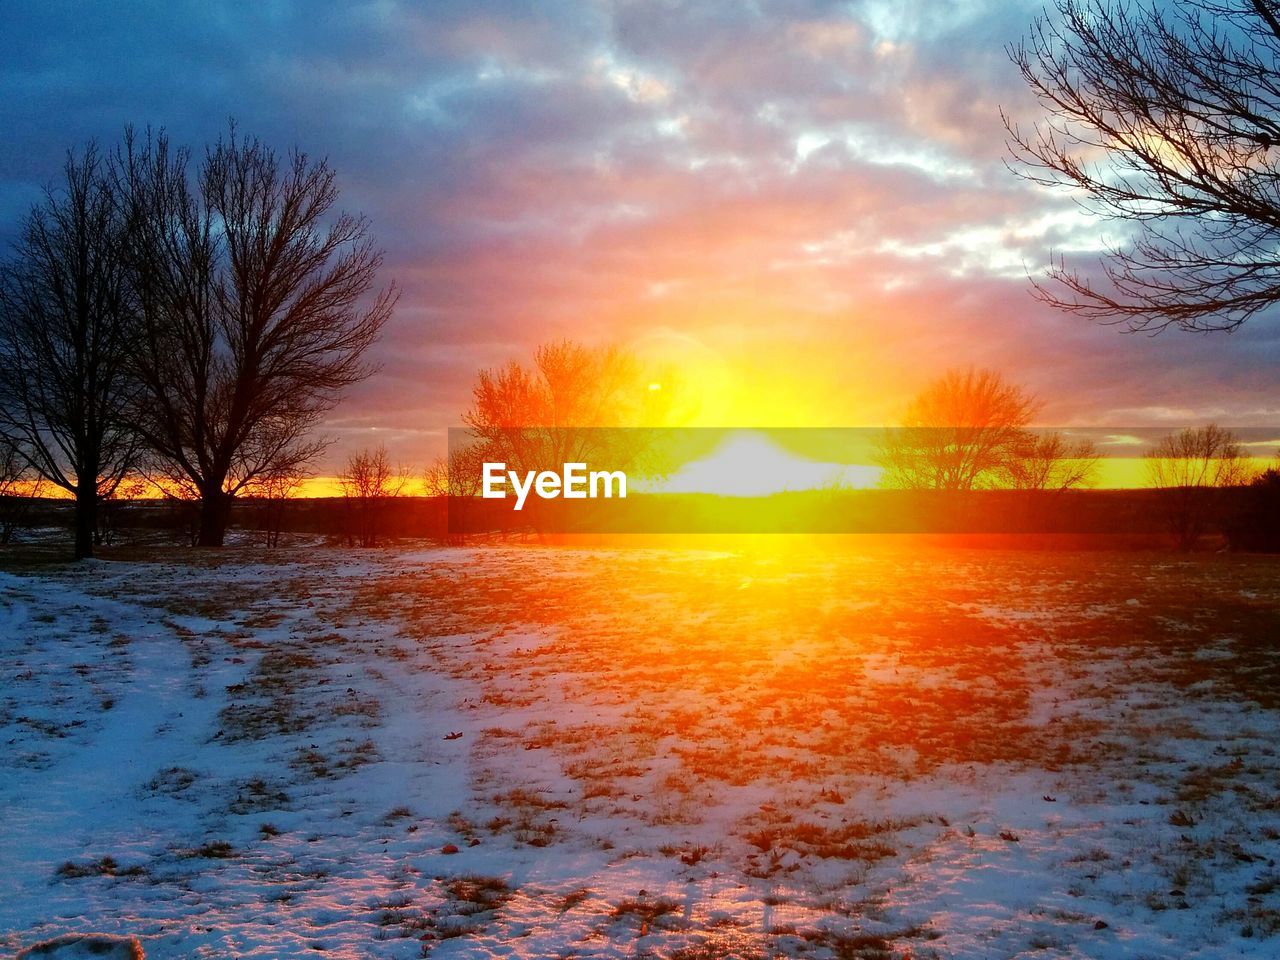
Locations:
{"points": [[1255, 523]]}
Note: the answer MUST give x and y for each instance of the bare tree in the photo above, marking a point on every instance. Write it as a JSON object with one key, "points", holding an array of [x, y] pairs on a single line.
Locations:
{"points": [[454, 481], [256, 310], [456, 475], [20, 486], [113, 509], [568, 385], [1254, 523], [1050, 462], [574, 404], [66, 336], [1190, 467], [273, 492], [369, 485], [1165, 117], [959, 433]]}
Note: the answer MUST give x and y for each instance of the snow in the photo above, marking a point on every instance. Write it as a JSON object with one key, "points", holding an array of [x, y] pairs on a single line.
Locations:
{"points": [[532, 752]]}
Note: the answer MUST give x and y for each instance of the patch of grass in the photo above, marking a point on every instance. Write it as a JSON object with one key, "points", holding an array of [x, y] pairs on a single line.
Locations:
{"points": [[1266, 884], [210, 850], [863, 945], [572, 899], [534, 832], [523, 799], [719, 946], [396, 814], [471, 902], [269, 703], [355, 705], [346, 757], [856, 840], [102, 867], [256, 795], [171, 781], [1092, 855], [476, 893], [648, 910]]}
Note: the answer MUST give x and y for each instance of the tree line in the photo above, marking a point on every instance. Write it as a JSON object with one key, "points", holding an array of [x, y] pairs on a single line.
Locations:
{"points": [[185, 318], [970, 430], [573, 402], [966, 430], [190, 319]]}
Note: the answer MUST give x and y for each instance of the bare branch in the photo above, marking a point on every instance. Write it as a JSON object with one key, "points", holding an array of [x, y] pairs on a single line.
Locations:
{"points": [[67, 333], [1164, 118], [258, 306]]}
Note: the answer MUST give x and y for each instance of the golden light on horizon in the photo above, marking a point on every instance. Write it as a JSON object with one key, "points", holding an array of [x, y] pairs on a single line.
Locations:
{"points": [[747, 463]]}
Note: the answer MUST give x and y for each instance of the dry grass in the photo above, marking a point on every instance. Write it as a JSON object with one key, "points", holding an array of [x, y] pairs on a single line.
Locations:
{"points": [[733, 716]]}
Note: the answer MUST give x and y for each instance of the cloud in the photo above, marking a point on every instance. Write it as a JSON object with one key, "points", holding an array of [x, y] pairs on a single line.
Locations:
{"points": [[813, 192]]}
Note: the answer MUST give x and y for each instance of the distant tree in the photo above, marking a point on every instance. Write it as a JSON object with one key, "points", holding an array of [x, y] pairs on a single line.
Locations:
{"points": [[961, 432], [256, 309], [273, 493], [20, 486], [568, 385], [1050, 462], [182, 513], [455, 480], [1255, 522], [67, 334], [1190, 468], [574, 404], [456, 475], [369, 486], [112, 509], [1165, 116]]}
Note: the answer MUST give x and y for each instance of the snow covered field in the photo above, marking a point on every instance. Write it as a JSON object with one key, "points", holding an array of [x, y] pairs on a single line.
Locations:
{"points": [[568, 753]]}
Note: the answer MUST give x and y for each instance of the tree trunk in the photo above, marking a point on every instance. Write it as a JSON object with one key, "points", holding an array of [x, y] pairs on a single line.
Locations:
{"points": [[86, 520], [215, 513]]}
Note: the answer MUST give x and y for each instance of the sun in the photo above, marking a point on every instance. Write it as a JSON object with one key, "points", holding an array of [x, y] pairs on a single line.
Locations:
{"points": [[747, 463]]}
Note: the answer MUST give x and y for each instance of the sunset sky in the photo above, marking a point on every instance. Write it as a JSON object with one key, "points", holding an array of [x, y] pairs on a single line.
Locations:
{"points": [[806, 203]]}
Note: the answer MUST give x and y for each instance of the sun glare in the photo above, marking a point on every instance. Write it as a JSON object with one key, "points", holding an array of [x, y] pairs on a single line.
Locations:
{"points": [[747, 463]]}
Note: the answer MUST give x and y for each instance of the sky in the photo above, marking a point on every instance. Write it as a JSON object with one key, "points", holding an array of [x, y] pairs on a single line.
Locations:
{"points": [[805, 205]]}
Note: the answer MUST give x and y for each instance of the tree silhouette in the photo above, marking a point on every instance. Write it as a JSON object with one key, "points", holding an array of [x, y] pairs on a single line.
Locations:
{"points": [[1166, 117], [1050, 462], [1255, 522], [273, 492], [18, 488], [369, 484], [574, 404], [961, 432], [454, 480], [457, 475], [67, 336], [1190, 467], [252, 297]]}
